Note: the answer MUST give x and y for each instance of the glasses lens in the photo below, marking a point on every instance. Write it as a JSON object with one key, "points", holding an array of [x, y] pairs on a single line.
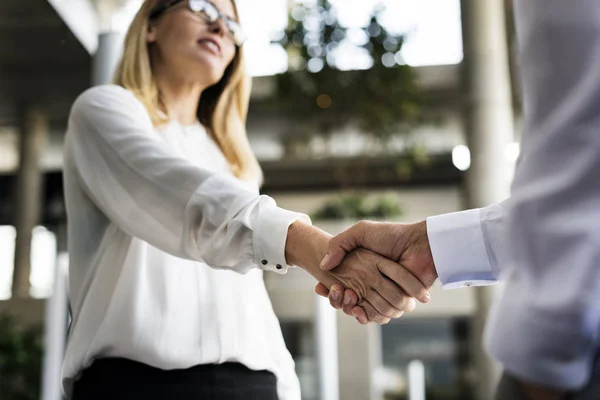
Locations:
{"points": [[236, 32], [205, 9]]}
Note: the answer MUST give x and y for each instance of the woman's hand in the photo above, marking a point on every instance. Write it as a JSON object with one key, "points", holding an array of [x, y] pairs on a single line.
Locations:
{"points": [[372, 277]]}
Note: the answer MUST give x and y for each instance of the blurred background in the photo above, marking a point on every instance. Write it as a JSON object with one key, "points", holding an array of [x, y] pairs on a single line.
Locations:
{"points": [[361, 109]]}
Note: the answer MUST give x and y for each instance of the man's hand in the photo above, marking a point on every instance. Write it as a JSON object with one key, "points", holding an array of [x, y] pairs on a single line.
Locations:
{"points": [[382, 287], [372, 279], [407, 245]]}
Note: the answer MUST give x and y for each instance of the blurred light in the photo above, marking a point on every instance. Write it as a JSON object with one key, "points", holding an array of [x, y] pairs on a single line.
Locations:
{"points": [[298, 13], [324, 101], [374, 30], [357, 36], [277, 56], [338, 35], [297, 40], [297, 63], [388, 60], [263, 24], [315, 51], [312, 23], [331, 59], [390, 44], [124, 16], [7, 258], [461, 157], [278, 36], [431, 38], [347, 56], [330, 19], [399, 59], [512, 152], [43, 259], [315, 64], [312, 38], [354, 13]]}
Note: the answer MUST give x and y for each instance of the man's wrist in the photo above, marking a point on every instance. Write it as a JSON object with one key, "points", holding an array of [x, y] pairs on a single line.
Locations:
{"points": [[422, 245]]}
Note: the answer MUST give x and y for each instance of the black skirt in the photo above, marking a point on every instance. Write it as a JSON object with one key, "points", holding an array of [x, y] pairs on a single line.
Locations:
{"points": [[119, 378]]}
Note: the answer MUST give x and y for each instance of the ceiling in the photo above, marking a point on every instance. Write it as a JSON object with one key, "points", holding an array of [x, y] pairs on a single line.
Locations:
{"points": [[41, 61]]}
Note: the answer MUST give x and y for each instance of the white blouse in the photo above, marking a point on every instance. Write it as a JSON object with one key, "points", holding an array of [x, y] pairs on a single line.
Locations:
{"points": [[166, 247]]}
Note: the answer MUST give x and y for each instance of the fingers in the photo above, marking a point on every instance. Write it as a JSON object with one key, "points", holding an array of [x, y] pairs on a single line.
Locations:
{"points": [[341, 244], [360, 315], [383, 307], [346, 302], [372, 315], [394, 296], [336, 296], [350, 301], [403, 278], [322, 290]]}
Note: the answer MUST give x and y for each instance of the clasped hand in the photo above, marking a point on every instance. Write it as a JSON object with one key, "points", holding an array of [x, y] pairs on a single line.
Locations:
{"points": [[404, 258]]}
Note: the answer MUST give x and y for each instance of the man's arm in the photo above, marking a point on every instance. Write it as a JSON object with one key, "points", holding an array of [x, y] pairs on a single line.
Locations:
{"points": [[469, 247], [546, 328], [466, 248]]}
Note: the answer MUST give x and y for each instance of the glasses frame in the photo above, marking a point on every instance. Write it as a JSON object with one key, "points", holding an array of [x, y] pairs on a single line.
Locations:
{"points": [[199, 8]]}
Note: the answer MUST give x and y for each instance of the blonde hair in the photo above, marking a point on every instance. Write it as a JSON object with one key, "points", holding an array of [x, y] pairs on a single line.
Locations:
{"points": [[222, 109]]}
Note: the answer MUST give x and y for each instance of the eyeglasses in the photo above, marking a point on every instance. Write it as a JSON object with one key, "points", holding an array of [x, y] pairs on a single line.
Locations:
{"points": [[208, 12]]}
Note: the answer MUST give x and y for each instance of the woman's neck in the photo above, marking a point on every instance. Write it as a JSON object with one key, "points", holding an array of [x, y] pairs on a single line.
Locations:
{"points": [[180, 98]]}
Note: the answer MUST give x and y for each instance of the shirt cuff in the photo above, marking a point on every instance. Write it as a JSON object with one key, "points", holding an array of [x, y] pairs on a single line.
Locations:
{"points": [[270, 237], [539, 347], [458, 250]]}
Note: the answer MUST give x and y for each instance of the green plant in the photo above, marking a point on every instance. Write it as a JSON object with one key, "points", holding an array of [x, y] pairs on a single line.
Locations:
{"points": [[381, 101], [21, 352], [357, 206]]}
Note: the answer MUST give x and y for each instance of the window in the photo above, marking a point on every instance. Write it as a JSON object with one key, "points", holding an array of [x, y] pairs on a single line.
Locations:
{"points": [[43, 261], [441, 344]]}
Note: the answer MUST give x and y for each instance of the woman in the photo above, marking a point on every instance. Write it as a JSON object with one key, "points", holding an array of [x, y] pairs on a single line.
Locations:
{"points": [[168, 236]]}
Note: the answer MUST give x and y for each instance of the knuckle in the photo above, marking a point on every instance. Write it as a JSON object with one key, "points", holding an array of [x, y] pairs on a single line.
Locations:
{"points": [[410, 305], [388, 311], [361, 225]]}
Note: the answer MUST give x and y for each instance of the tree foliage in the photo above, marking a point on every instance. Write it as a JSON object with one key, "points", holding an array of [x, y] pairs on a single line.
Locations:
{"points": [[318, 97]]}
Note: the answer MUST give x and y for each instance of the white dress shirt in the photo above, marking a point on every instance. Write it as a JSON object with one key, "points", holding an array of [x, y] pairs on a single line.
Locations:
{"points": [[546, 238], [166, 247]]}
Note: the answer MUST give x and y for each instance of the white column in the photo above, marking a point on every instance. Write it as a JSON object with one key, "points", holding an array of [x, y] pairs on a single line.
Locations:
{"points": [[110, 40], [327, 349], [360, 359], [490, 128], [55, 332], [416, 380], [110, 46], [29, 196]]}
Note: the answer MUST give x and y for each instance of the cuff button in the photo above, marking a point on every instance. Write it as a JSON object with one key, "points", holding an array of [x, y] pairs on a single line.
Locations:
{"points": [[264, 262], [279, 266]]}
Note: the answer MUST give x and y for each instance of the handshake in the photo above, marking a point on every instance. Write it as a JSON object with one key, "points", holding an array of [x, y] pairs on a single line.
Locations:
{"points": [[374, 271]]}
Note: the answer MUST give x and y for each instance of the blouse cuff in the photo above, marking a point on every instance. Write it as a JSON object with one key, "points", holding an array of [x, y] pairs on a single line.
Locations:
{"points": [[270, 236]]}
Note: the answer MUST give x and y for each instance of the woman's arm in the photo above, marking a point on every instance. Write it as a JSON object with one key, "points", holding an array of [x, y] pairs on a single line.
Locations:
{"points": [[138, 183]]}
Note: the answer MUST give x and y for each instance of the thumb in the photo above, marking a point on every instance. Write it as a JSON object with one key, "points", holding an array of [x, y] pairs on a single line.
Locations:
{"points": [[333, 258], [339, 246]]}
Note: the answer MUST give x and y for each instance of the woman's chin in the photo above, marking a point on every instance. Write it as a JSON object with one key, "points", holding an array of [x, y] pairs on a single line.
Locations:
{"points": [[209, 70]]}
